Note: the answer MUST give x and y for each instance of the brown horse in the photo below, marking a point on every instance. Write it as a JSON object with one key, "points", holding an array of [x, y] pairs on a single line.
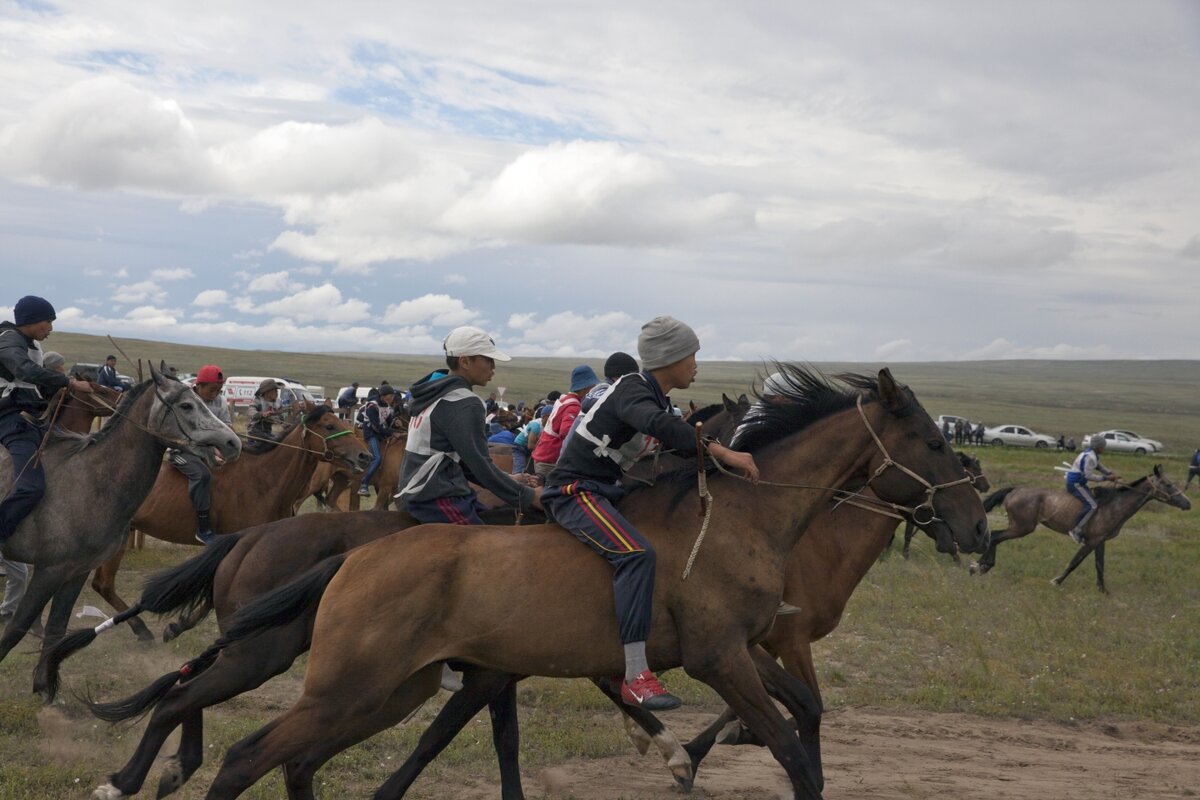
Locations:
{"points": [[256, 488], [537, 580], [1027, 506], [79, 410]]}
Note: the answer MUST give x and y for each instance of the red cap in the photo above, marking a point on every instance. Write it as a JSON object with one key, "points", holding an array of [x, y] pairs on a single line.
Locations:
{"points": [[210, 373]]}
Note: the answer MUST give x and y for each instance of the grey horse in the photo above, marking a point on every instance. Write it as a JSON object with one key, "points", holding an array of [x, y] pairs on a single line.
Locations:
{"points": [[94, 484]]}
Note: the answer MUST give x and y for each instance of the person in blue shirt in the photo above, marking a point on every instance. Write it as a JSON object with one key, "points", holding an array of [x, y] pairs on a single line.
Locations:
{"points": [[107, 376], [1087, 467], [1193, 469]]}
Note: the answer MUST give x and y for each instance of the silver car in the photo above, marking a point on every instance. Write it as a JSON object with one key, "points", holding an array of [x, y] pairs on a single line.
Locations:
{"points": [[1017, 436], [1123, 442]]}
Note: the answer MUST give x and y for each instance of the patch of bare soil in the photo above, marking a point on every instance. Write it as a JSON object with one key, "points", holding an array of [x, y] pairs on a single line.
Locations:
{"points": [[886, 755]]}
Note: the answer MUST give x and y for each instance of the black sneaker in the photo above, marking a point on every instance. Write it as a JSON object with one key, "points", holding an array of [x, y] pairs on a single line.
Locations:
{"points": [[205, 537], [364, 491]]}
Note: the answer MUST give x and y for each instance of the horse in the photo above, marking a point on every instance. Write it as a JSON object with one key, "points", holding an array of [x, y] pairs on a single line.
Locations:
{"points": [[537, 580], [94, 484], [261, 487], [332, 484], [80, 409], [1026, 506]]}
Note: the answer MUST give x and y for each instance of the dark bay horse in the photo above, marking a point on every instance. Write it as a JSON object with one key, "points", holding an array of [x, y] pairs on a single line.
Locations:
{"points": [[94, 484], [971, 465], [1027, 506], [540, 580], [257, 488]]}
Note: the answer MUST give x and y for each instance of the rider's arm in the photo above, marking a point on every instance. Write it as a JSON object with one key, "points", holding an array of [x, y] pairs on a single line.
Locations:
{"points": [[461, 421], [14, 355]]}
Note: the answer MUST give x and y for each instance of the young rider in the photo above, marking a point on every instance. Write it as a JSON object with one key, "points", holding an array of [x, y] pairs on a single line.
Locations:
{"points": [[582, 491], [376, 416], [210, 383], [1087, 467], [26, 385]]}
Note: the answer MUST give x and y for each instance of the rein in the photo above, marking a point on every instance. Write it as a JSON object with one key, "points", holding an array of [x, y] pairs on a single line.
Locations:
{"points": [[855, 498]]}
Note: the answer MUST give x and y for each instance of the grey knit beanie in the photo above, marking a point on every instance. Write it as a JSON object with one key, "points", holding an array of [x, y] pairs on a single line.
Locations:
{"points": [[665, 340], [53, 360]]}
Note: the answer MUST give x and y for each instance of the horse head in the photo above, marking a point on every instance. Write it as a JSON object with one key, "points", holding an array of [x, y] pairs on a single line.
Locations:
{"points": [[334, 439], [973, 468], [181, 420], [1166, 491], [915, 467]]}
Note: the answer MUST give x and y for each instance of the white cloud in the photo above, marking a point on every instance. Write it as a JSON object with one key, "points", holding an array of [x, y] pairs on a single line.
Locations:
{"points": [[206, 315], [274, 282], [211, 297], [895, 350], [139, 292], [568, 333], [318, 304], [454, 279], [437, 309], [172, 274], [1002, 348]]}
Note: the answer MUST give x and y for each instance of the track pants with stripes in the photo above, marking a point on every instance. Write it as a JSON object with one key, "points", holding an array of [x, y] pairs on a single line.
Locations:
{"points": [[462, 510], [587, 511], [1079, 489]]}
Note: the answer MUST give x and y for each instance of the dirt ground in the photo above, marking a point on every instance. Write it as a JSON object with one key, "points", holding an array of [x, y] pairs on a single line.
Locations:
{"points": [[884, 755]]}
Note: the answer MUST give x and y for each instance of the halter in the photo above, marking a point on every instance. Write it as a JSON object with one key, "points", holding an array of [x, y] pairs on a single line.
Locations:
{"points": [[856, 498]]}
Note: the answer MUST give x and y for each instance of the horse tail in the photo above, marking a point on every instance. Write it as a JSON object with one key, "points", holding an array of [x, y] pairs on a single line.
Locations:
{"points": [[185, 587], [996, 498], [281, 606], [190, 585], [135, 705]]}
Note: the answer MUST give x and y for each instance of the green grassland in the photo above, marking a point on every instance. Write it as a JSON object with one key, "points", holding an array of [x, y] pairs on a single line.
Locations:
{"points": [[918, 635]]}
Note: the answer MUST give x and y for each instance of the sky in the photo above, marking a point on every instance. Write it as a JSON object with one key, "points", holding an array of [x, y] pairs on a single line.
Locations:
{"points": [[862, 181]]}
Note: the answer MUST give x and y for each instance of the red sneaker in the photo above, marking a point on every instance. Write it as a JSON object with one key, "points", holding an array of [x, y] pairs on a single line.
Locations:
{"points": [[646, 692]]}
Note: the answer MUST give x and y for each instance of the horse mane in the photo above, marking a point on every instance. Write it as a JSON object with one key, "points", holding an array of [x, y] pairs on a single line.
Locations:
{"points": [[809, 396], [80, 441], [318, 411], [1105, 493], [705, 414]]}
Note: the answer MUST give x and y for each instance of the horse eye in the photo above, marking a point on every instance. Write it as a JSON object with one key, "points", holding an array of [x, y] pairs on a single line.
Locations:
{"points": [[936, 444], [186, 406], [329, 427]]}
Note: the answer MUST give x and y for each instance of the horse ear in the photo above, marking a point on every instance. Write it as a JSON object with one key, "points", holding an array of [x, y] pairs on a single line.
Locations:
{"points": [[743, 400], [1158, 470], [730, 406], [890, 393], [156, 375]]}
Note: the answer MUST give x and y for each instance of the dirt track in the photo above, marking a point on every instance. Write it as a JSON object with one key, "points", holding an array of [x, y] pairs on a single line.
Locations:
{"points": [[884, 755]]}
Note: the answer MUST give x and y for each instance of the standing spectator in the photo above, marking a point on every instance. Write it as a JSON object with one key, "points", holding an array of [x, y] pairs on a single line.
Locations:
{"points": [[347, 399], [376, 417], [946, 432], [491, 405], [525, 441], [107, 376], [1061, 442], [958, 431], [562, 415], [1193, 470], [979, 434]]}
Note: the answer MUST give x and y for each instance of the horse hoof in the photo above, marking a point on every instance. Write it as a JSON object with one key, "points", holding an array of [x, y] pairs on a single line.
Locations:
{"points": [[146, 636], [170, 632], [171, 779], [974, 568], [108, 792], [731, 734], [684, 782], [1056, 581]]}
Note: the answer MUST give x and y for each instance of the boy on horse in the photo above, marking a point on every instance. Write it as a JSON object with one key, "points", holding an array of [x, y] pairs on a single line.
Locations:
{"points": [[26, 386], [1087, 467], [582, 492], [375, 419], [210, 383]]}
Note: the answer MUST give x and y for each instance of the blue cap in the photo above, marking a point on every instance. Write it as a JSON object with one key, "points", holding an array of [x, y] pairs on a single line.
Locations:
{"points": [[583, 377]]}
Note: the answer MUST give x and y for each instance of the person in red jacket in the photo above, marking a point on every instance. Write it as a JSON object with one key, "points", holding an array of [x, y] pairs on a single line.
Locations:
{"points": [[563, 415]]}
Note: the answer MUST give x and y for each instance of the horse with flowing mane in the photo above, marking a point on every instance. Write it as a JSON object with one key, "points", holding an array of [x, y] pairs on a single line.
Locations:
{"points": [[537, 579], [94, 484]]}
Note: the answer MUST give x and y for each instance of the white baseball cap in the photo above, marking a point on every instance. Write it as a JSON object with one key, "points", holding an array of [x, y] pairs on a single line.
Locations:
{"points": [[472, 341]]}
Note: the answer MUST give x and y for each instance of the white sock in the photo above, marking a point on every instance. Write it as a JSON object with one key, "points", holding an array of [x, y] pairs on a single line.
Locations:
{"points": [[635, 660]]}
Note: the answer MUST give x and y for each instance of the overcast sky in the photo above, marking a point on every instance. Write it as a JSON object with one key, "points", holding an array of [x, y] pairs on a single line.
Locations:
{"points": [[864, 181]]}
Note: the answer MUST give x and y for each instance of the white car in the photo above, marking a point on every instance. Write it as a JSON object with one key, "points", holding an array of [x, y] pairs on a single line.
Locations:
{"points": [[1124, 442], [1017, 436], [1157, 445]]}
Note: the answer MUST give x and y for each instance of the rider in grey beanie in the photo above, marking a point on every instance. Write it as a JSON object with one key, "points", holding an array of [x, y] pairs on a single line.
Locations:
{"points": [[665, 340]]}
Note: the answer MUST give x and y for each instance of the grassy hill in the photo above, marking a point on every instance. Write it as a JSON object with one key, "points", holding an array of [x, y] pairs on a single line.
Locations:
{"points": [[1154, 398]]}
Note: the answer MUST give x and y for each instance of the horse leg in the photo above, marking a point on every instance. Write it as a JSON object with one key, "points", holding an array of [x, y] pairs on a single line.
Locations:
{"points": [[104, 583], [799, 699], [640, 722], [186, 623], [407, 698], [1080, 555], [910, 531], [56, 625], [42, 586], [734, 675], [1100, 568]]}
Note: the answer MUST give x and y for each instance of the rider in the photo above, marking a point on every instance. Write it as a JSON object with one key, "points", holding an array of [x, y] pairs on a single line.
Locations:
{"points": [[210, 383], [1087, 467], [107, 376], [582, 491], [26, 385], [376, 428], [446, 442], [263, 412]]}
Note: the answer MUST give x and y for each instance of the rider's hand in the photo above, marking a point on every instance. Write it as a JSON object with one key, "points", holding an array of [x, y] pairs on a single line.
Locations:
{"points": [[81, 386], [537, 499], [735, 459]]}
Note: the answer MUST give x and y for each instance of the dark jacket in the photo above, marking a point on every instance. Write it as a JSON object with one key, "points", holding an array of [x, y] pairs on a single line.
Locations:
{"points": [[107, 376], [635, 404], [16, 364], [373, 426], [455, 426]]}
